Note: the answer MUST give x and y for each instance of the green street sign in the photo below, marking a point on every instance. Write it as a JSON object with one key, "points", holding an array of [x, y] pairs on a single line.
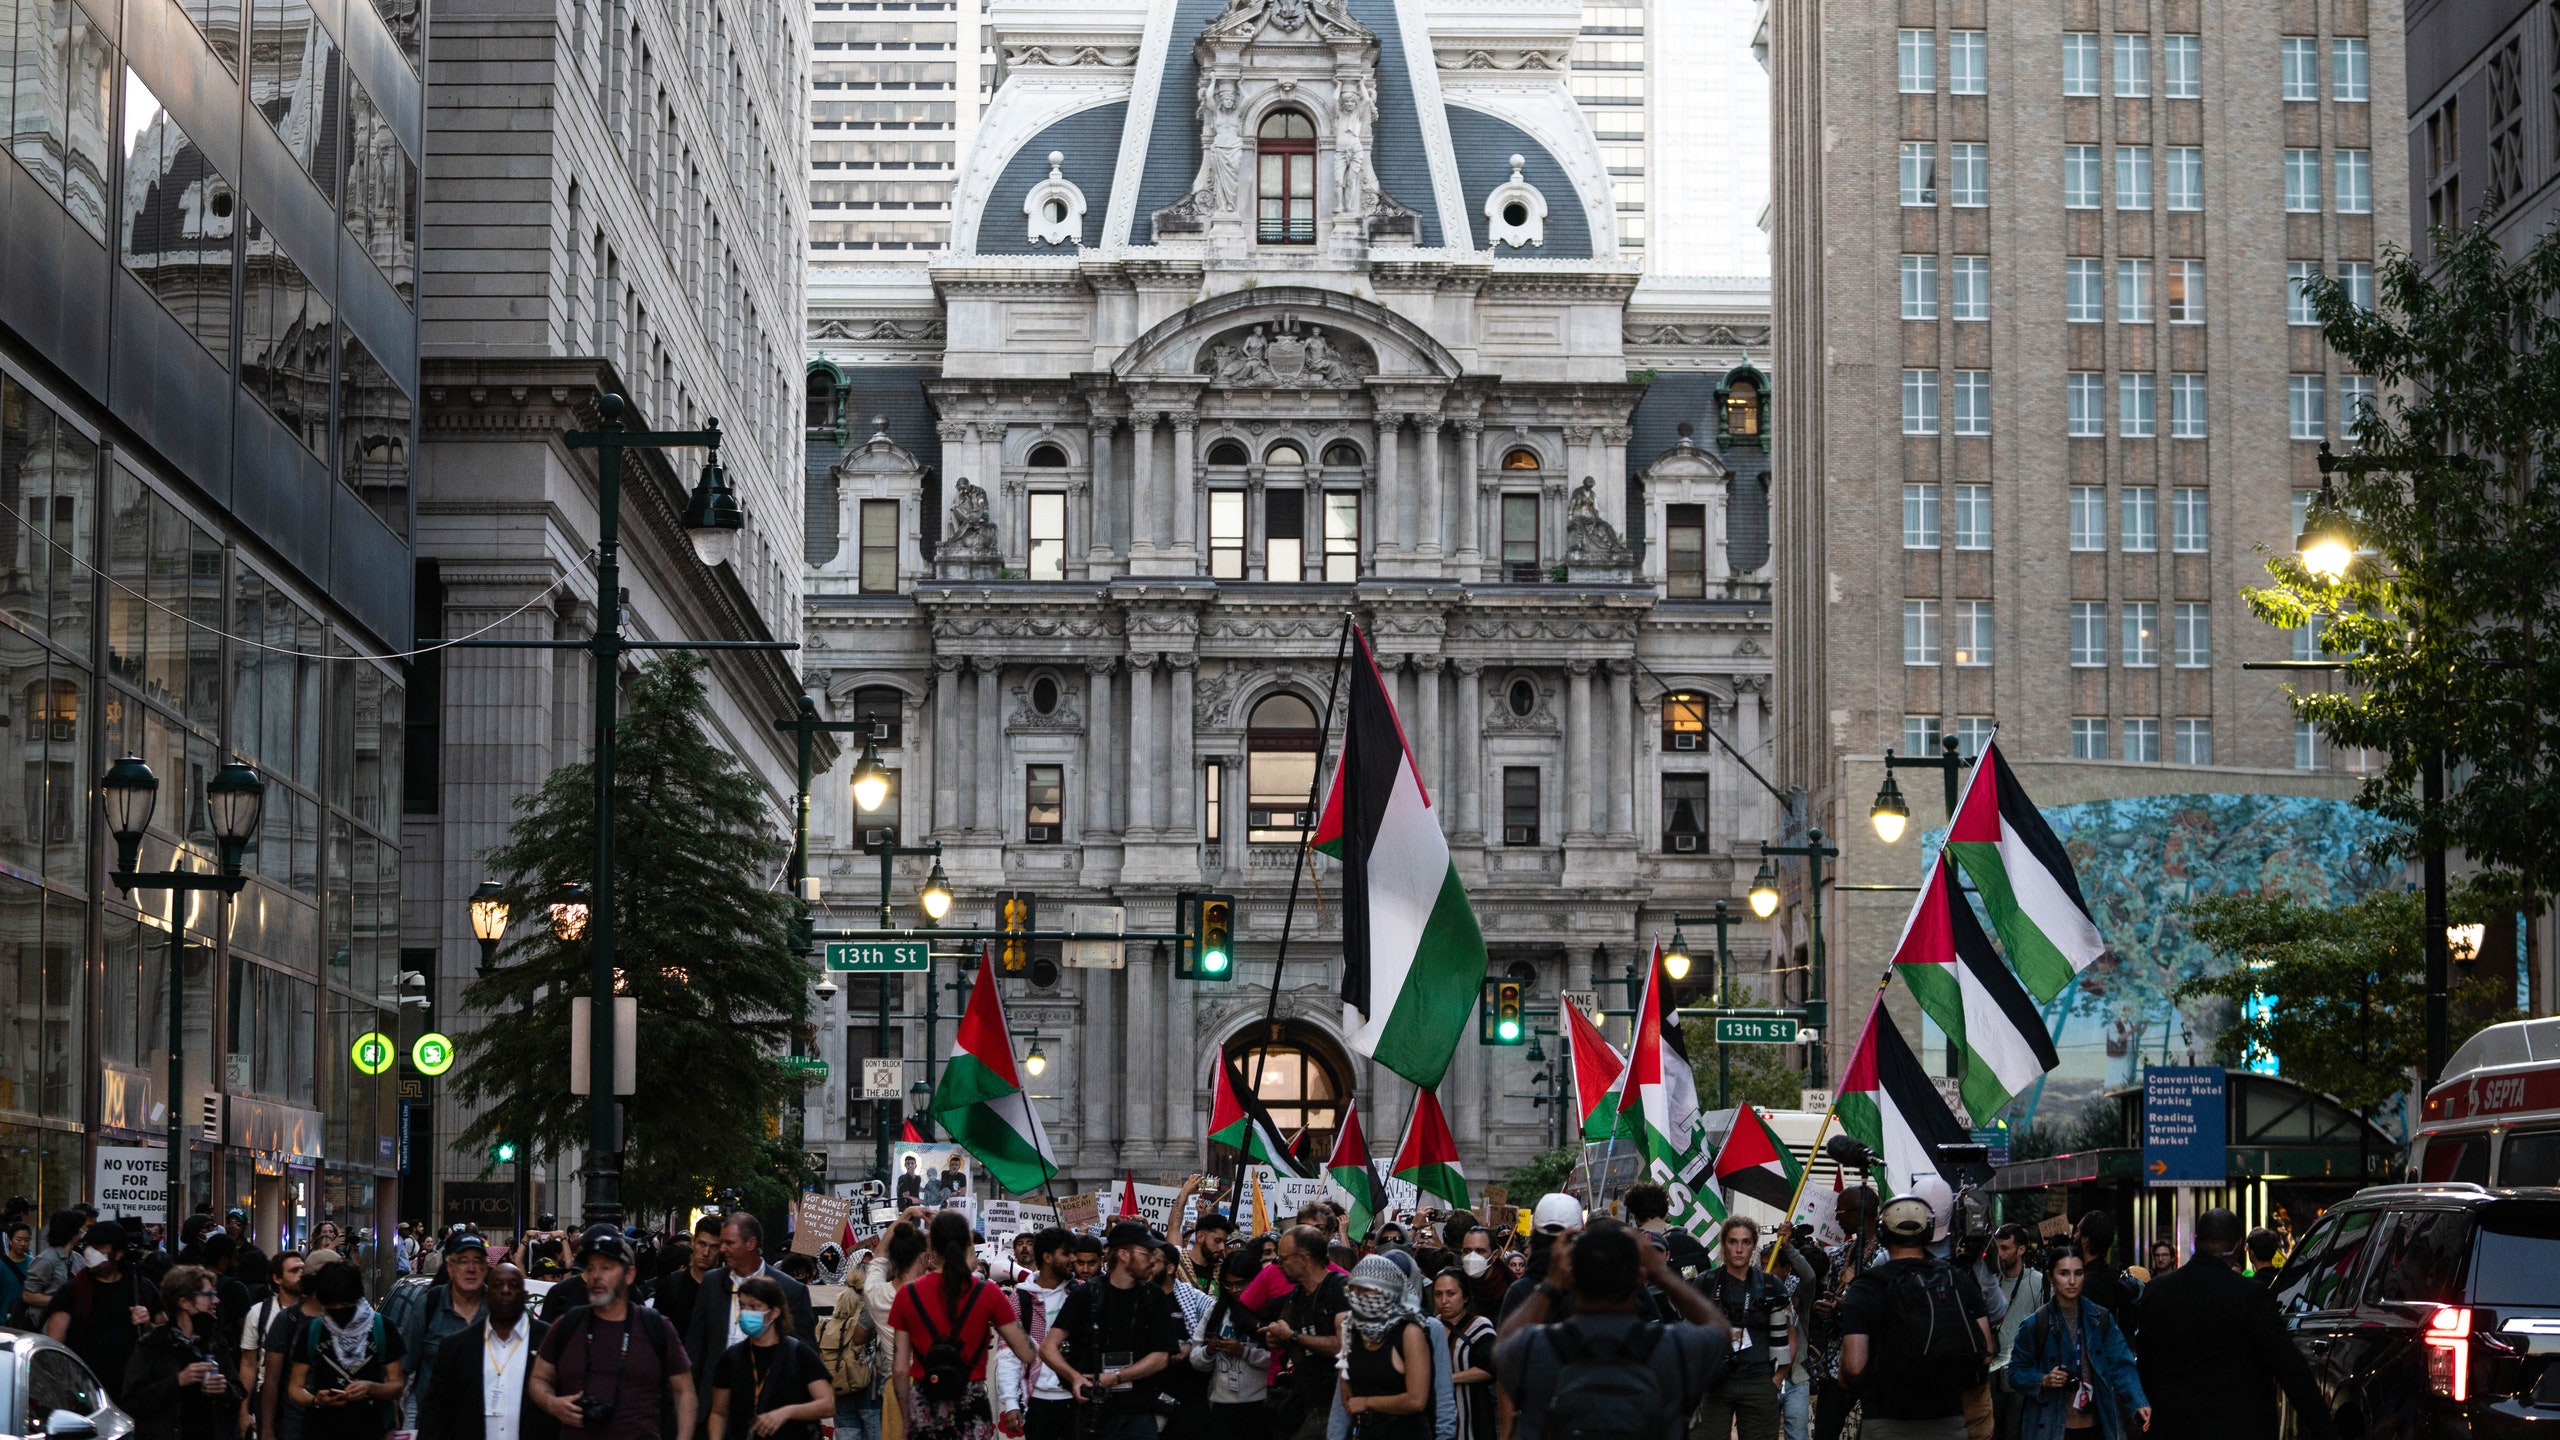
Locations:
{"points": [[809, 1068], [432, 1054], [1755, 1030], [873, 957], [373, 1052]]}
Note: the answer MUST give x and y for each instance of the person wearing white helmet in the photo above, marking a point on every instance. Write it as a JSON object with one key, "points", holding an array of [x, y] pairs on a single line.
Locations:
{"points": [[1556, 1213], [1915, 1339]]}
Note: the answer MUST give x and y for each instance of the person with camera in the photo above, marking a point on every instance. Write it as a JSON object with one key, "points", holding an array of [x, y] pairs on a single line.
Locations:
{"points": [[946, 1321], [1756, 1302], [612, 1369], [771, 1385], [1608, 1370], [1113, 1336], [2072, 1368], [176, 1386], [1915, 1336], [1046, 1411], [346, 1367]]}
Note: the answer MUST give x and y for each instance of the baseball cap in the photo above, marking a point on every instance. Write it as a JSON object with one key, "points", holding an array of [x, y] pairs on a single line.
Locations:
{"points": [[606, 1241], [1556, 1213], [463, 1240], [1129, 1232]]}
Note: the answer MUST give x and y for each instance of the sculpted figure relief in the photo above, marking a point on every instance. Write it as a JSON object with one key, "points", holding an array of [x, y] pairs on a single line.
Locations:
{"points": [[1589, 537], [973, 530]]}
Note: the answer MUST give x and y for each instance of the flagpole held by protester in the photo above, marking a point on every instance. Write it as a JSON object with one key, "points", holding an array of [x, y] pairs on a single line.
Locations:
{"points": [[1829, 1114]]}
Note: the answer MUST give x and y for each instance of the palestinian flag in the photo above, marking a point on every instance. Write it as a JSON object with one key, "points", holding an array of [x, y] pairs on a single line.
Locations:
{"points": [[1887, 1104], [1355, 1176], [1429, 1155], [1645, 1109], [1596, 1066], [1755, 1162], [1960, 983], [980, 1102], [1413, 959], [2026, 881], [1237, 1119]]}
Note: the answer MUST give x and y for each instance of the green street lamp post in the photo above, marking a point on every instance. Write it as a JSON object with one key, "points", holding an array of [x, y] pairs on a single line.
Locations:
{"points": [[1891, 812], [1764, 903]]}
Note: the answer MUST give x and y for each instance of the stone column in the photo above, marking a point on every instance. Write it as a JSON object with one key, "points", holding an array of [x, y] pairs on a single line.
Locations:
{"points": [[1142, 746], [990, 756], [1257, 536], [1142, 483], [1577, 751], [1097, 745], [1622, 739], [1470, 490], [1391, 490], [1179, 817], [1181, 1088], [1611, 492], [1143, 1053], [1747, 694], [1432, 741], [1181, 508], [1427, 493], [1098, 529], [1469, 782], [950, 743], [1101, 1054]]}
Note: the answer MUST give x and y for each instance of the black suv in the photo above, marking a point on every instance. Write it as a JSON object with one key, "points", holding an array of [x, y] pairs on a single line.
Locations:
{"points": [[2432, 1312]]}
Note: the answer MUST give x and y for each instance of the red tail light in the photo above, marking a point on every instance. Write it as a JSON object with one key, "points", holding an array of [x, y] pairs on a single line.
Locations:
{"points": [[2448, 1341]]}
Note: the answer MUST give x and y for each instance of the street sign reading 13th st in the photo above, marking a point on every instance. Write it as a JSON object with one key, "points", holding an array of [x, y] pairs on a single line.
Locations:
{"points": [[1753, 1030], [877, 956]]}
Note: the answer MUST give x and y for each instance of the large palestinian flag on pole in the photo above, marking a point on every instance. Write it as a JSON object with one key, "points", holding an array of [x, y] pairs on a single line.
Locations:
{"points": [[980, 1102], [1755, 1162], [1596, 1067], [1960, 983], [1887, 1103], [1237, 1119], [1658, 1112], [1413, 959], [1355, 1176], [1429, 1155], [2028, 889]]}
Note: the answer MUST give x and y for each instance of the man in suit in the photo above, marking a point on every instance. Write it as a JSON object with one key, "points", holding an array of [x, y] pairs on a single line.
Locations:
{"points": [[480, 1373], [2214, 1350], [715, 1305]]}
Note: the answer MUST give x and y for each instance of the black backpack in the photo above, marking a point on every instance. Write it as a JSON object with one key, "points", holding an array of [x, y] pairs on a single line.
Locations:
{"points": [[1608, 1388], [1927, 1335], [946, 1363]]}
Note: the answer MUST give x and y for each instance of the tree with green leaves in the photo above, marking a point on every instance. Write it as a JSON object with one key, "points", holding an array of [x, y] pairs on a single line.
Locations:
{"points": [[703, 937], [2448, 619], [2337, 996], [1761, 1075]]}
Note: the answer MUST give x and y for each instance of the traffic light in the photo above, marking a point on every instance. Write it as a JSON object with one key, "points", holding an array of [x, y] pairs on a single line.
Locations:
{"points": [[503, 1153], [1216, 937], [1017, 912], [1503, 1021]]}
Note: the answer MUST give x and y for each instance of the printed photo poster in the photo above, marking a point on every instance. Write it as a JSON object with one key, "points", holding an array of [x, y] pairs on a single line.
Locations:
{"points": [[930, 1174]]}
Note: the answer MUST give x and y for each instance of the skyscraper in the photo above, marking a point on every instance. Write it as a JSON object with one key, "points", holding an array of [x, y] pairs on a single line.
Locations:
{"points": [[894, 95]]}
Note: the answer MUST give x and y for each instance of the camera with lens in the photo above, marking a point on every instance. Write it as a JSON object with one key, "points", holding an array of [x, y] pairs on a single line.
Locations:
{"points": [[595, 1413]]}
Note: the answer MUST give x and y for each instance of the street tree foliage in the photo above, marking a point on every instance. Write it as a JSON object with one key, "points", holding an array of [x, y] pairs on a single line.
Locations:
{"points": [[2347, 985], [1761, 1075], [2449, 620], [702, 938]]}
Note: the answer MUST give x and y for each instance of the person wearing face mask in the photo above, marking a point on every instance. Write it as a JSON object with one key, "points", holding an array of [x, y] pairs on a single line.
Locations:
{"points": [[1487, 1282], [176, 1386], [346, 1366], [105, 1308], [17, 1239], [771, 1384]]}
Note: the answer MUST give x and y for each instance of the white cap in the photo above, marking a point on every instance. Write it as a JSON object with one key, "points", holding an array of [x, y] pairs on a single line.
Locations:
{"points": [[1556, 1212]]}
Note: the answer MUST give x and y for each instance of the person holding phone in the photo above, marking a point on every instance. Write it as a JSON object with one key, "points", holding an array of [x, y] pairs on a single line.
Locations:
{"points": [[2071, 1367], [345, 1368], [176, 1386]]}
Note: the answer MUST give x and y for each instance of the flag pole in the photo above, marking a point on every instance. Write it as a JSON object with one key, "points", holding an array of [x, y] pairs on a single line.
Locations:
{"points": [[1823, 1131]]}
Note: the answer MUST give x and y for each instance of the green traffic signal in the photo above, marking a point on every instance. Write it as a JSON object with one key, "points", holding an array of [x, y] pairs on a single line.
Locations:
{"points": [[503, 1153], [1505, 1022], [1217, 937]]}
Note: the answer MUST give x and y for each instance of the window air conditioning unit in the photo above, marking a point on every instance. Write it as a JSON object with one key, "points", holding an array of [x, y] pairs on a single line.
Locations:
{"points": [[1042, 834], [1515, 834], [1684, 740], [1684, 844]]}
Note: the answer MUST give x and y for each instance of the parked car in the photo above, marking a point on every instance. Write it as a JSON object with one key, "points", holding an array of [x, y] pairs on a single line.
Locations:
{"points": [[2432, 1312], [45, 1391]]}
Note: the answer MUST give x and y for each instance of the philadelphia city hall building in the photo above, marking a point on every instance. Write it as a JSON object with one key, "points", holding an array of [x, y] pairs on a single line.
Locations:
{"points": [[1258, 314]]}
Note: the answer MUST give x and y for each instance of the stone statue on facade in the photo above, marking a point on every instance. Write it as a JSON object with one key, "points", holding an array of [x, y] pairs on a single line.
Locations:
{"points": [[1589, 538], [968, 548], [1218, 186], [1355, 179], [1287, 356]]}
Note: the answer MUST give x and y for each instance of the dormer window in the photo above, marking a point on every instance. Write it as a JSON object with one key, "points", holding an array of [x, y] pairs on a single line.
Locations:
{"points": [[1745, 410], [825, 397], [1285, 149]]}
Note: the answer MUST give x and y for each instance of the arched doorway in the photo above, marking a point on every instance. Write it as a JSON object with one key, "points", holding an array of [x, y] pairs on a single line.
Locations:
{"points": [[1305, 1083]]}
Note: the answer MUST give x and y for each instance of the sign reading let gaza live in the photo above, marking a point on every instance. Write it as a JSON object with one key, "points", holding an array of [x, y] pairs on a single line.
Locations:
{"points": [[2183, 1126], [877, 956]]}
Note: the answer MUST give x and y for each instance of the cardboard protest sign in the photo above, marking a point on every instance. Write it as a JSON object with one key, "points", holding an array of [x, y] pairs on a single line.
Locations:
{"points": [[822, 1221]]}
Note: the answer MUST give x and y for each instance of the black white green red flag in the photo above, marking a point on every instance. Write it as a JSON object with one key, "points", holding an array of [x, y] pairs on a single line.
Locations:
{"points": [[980, 1103], [1755, 1162], [1237, 1119], [1887, 1103], [1960, 983], [1429, 1155], [1355, 1175], [1658, 1113], [2029, 891], [1596, 1067]]}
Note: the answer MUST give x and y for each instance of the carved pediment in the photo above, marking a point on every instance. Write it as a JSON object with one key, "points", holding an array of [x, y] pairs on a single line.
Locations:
{"points": [[1287, 354], [1316, 20]]}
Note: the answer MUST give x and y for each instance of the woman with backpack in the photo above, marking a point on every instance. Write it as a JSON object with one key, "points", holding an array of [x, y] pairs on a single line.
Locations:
{"points": [[1386, 1357], [903, 1256], [2072, 1368], [946, 1321], [780, 1379], [848, 1343], [176, 1386], [345, 1366]]}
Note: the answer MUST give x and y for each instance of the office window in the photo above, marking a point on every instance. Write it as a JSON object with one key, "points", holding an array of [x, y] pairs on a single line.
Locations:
{"points": [[1919, 734], [1285, 153], [2191, 634], [2084, 292], [1919, 402], [1213, 802], [2298, 275], [2355, 400], [2133, 67], [1919, 632], [2306, 639], [1284, 533], [2137, 415], [1684, 717], [2306, 406], [2186, 407], [2133, 292], [1226, 534], [2139, 638], [2355, 182], [2088, 737], [2088, 517], [1279, 768], [1968, 175], [2355, 277], [1341, 536], [2133, 177], [1919, 172], [1520, 538], [2080, 177], [2138, 519], [1973, 732], [2194, 742], [2301, 67], [1970, 634], [1969, 402], [287, 356], [1048, 534], [2190, 520], [2142, 741], [1919, 517], [2349, 61], [1969, 278], [1919, 287], [1684, 814], [2181, 67], [1968, 62], [2182, 291], [2087, 393], [2182, 177], [1519, 804], [1972, 517], [2088, 632], [179, 249], [293, 81], [2306, 745], [2302, 182], [1685, 551], [2301, 509], [1044, 804], [879, 542], [1918, 67], [2079, 64]]}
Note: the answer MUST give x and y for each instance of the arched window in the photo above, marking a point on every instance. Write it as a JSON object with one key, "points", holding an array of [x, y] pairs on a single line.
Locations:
{"points": [[1285, 452], [1286, 150], [1344, 454], [1229, 452], [1300, 1076], [1047, 457], [1742, 410], [823, 398], [1522, 458], [1280, 768], [879, 703]]}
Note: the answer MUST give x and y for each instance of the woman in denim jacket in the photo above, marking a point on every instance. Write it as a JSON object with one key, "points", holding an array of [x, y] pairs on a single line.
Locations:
{"points": [[2072, 1369]]}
